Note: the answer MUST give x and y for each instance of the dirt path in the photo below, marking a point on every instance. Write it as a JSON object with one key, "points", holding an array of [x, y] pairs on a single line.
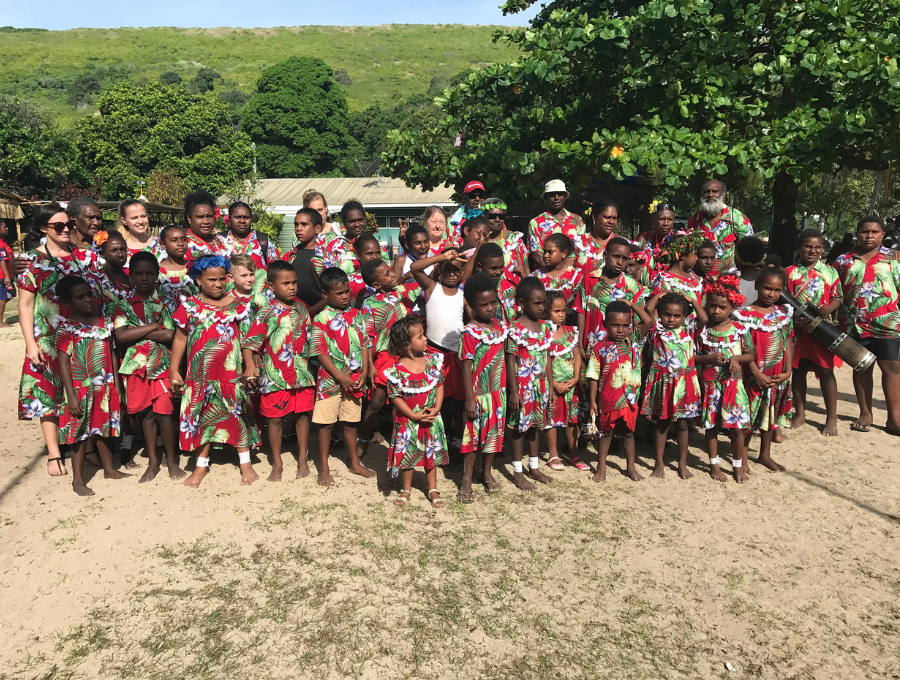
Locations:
{"points": [[793, 575]]}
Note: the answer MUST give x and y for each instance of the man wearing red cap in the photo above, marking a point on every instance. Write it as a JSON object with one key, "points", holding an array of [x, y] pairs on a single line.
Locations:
{"points": [[473, 197], [556, 220]]}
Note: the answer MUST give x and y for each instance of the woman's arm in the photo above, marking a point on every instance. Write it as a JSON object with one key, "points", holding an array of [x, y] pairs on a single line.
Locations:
{"points": [[26, 322], [179, 345]]}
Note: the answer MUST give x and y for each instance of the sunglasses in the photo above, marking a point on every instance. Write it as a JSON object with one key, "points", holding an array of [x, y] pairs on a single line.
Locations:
{"points": [[664, 206], [476, 194], [60, 227], [496, 216]]}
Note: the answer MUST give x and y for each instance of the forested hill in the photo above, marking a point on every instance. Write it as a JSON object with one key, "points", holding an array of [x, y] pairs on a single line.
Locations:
{"points": [[65, 70]]}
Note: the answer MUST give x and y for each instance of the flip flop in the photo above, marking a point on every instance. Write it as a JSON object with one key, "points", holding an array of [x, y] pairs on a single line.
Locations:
{"points": [[857, 426], [59, 466], [558, 466], [466, 498], [579, 464]]}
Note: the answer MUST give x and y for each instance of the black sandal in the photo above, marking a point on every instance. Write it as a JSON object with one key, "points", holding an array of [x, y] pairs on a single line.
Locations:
{"points": [[466, 498], [59, 466]]}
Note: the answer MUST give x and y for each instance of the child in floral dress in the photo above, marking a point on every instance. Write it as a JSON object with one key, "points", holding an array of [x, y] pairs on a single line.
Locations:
{"points": [[680, 255], [768, 376], [215, 408], [719, 359], [144, 326], [614, 379], [489, 260], [566, 355], [114, 280], [89, 372], [416, 390], [481, 346], [557, 274], [529, 370], [174, 280], [672, 394]]}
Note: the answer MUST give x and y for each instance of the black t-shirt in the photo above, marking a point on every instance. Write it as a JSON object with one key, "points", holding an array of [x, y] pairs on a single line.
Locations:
{"points": [[308, 288]]}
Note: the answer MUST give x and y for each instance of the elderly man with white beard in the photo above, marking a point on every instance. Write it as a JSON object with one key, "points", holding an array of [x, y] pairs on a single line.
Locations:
{"points": [[721, 224]]}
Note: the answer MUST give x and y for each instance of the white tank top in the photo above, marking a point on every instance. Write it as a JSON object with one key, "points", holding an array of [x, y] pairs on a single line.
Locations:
{"points": [[444, 316]]}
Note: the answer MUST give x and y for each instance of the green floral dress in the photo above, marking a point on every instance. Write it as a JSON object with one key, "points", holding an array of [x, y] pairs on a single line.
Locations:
{"points": [[562, 349], [530, 348], [672, 389], [725, 400]]}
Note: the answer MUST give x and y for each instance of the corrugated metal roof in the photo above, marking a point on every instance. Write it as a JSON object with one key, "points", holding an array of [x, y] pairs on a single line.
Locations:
{"points": [[370, 191]]}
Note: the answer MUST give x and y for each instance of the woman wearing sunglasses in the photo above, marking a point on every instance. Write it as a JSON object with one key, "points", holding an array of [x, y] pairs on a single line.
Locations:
{"points": [[40, 313], [515, 256]]}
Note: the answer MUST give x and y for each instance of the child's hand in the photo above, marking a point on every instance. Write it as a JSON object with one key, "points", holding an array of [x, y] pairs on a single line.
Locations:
{"points": [[428, 416], [551, 403], [763, 380], [416, 416], [717, 358], [450, 255], [76, 409], [515, 401], [780, 378], [594, 409], [734, 364], [471, 409], [177, 382], [520, 270], [251, 376]]}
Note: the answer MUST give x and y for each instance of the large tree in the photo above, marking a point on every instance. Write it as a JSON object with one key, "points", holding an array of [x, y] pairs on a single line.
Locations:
{"points": [[298, 120], [140, 130], [677, 90]]}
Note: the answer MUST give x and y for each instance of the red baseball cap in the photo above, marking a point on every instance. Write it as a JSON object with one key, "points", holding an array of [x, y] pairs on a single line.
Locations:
{"points": [[472, 186]]}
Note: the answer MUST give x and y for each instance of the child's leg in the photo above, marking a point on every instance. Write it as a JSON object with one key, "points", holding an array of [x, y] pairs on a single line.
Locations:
{"points": [[406, 487], [50, 429], [170, 443], [109, 472], [659, 446], [518, 473], [201, 467], [325, 478], [78, 485], [828, 385], [125, 447], [765, 451], [738, 456], [434, 496], [276, 430], [487, 474], [465, 488], [682, 433], [356, 467], [862, 385], [712, 448], [628, 445], [534, 460], [572, 439], [370, 418], [150, 429], [248, 474], [798, 387], [554, 462], [602, 451], [302, 429]]}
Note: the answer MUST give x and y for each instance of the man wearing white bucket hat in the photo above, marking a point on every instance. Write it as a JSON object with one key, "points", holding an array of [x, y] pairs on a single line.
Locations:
{"points": [[556, 220]]}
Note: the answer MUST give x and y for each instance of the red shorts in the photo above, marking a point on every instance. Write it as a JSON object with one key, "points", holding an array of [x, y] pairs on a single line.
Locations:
{"points": [[606, 422], [452, 370], [807, 347], [383, 361], [141, 394], [285, 402]]}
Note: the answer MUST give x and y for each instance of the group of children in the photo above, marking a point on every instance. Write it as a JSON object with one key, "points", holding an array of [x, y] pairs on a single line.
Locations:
{"points": [[461, 344]]}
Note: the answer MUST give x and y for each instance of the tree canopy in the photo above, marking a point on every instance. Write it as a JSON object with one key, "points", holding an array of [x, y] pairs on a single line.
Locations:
{"points": [[140, 130], [299, 121], [676, 90]]}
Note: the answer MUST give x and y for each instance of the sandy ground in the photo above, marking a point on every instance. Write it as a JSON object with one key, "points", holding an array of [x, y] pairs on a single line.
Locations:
{"points": [[793, 575]]}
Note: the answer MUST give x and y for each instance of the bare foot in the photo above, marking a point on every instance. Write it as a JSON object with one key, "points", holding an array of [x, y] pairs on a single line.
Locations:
{"points": [[115, 474], [149, 474], [830, 429], [176, 472], [363, 471], [716, 473], [56, 467], [659, 472], [325, 479], [778, 436], [196, 477], [684, 473], [81, 489], [633, 475], [539, 476], [275, 475], [129, 465], [302, 470], [798, 420], [248, 476], [770, 464], [599, 476], [740, 475], [521, 482]]}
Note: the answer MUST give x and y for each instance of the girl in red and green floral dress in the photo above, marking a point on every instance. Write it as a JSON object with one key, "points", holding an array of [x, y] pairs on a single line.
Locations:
{"points": [[415, 385], [672, 391], [529, 370], [680, 255], [215, 407], [89, 372], [768, 377], [556, 274], [174, 280], [719, 358], [40, 314], [566, 355]]}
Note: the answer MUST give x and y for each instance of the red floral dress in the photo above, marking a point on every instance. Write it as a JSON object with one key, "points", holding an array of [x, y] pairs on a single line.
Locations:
{"points": [[416, 444], [566, 283], [113, 291], [690, 288], [40, 391], [593, 304], [90, 350], [175, 285], [817, 285], [616, 366], [514, 253], [214, 406], [672, 389], [725, 400], [562, 349], [484, 348], [531, 350], [197, 247], [767, 341]]}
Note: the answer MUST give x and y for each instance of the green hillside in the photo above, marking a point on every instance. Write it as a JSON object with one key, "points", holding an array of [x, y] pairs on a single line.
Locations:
{"points": [[63, 70]]}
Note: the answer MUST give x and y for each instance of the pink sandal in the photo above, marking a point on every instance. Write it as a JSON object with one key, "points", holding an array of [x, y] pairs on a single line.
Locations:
{"points": [[579, 464], [558, 465]]}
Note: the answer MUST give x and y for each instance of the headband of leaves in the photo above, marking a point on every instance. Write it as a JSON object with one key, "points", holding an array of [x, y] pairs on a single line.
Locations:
{"points": [[680, 246], [493, 206], [208, 262]]}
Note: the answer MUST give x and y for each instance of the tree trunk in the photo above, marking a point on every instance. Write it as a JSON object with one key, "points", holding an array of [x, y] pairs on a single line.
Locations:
{"points": [[783, 235], [876, 192]]}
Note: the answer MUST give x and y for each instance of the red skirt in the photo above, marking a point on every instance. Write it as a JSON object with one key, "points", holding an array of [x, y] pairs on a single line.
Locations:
{"points": [[807, 347], [452, 370], [141, 394], [606, 422]]}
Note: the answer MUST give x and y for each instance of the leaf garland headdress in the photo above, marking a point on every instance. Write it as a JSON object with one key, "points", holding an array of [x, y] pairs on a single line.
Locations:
{"points": [[680, 246]]}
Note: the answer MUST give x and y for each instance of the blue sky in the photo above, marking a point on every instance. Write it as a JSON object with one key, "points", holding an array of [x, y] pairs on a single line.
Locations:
{"points": [[63, 14]]}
